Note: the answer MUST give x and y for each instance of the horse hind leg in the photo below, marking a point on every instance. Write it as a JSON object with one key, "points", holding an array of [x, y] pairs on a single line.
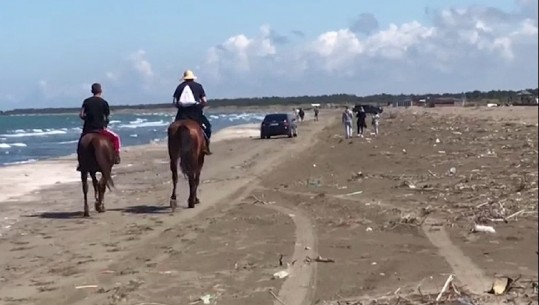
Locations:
{"points": [[197, 183], [102, 187], [96, 187], [84, 180], [174, 170], [192, 191]]}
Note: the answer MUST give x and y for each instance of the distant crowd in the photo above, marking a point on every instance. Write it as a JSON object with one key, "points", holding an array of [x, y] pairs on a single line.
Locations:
{"points": [[361, 121]]}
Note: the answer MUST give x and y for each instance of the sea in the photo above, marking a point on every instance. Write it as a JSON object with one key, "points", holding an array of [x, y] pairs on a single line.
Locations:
{"points": [[30, 138]]}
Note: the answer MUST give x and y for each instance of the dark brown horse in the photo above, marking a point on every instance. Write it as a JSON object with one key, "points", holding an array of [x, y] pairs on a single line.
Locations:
{"points": [[96, 154], [187, 144]]}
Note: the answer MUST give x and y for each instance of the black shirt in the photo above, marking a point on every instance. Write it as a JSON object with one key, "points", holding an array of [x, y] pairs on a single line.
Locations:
{"points": [[97, 112]]}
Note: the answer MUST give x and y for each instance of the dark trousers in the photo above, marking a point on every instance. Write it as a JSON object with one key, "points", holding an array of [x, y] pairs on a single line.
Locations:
{"points": [[195, 113], [360, 126]]}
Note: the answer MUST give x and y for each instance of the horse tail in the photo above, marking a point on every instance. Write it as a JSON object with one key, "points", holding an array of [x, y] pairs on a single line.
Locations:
{"points": [[186, 148], [104, 163]]}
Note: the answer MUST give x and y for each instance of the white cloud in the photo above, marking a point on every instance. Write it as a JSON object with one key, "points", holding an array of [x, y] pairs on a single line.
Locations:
{"points": [[50, 92], [463, 48], [141, 64]]}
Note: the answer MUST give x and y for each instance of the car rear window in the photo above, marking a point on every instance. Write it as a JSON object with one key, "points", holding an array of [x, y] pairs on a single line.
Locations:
{"points": [[275, 117]]}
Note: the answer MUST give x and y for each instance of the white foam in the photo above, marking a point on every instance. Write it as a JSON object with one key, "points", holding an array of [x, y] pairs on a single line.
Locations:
{"points": [[143, 123], [68, 142], [18, 145], [21, 162], [4, 145], [34, 133]]}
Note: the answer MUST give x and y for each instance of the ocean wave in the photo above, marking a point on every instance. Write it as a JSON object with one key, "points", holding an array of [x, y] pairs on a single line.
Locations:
{"points": [[20, 162], [19, 133], [114, 122], [69, 142], [141, 123], [244, 116], [9, 145]]}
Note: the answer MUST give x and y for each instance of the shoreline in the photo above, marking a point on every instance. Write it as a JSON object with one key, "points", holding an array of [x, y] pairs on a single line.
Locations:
{"points": [[22, 179]]}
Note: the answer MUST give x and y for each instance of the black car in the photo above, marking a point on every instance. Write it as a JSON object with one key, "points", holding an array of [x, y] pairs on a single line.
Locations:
{"points": [[277, 124], [368, 109]]}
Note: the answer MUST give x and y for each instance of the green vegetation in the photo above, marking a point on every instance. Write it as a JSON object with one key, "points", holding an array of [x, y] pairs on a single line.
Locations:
{"points": [[501, 96]]}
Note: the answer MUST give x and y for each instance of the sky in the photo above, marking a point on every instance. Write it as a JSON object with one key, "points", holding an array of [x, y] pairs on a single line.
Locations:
{"points": [[52, 51]]}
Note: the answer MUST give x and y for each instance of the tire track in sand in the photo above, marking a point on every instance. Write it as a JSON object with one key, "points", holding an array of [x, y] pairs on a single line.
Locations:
{"points": [[300, 286], [465, 270]]}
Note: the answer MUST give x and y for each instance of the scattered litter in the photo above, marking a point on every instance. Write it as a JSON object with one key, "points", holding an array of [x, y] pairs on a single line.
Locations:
{"points": [[437, 140], [291, 215], [464, 301], [369, 229], [501, 285], [319, 259], [446, 285], [404, 150], [281, 274], [314, 165], [452, 171], [484, 229], [307, 248], [206, 298], [373, 263], [86, 286], [314, 182], [276, 297], [353, 193], [409, 184], [441, 151]]}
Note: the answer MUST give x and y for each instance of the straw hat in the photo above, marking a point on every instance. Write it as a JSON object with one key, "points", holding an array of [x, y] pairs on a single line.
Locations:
{"points": [[188, 74]]}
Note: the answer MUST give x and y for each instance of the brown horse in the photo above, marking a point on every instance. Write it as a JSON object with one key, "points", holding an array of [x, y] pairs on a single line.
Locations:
{"points": [[186, 143], [96, 154]]}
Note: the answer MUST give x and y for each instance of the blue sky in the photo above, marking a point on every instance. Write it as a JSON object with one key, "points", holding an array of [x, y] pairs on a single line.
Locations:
{"points": [[51, 51]]}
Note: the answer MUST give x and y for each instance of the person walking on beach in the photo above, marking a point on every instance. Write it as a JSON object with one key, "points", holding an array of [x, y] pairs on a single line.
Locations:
{"points": [[376, 122], [190, 99], [95, 112], [361, 124], [316, 110], [347, 118]]}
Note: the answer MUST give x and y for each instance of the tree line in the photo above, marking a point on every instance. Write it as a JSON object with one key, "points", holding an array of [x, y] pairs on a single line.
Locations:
{"points": [[502, 96]]}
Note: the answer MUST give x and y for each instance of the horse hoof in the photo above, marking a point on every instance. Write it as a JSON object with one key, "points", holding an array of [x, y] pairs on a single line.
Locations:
{"points": [[191, 205], [173, 204], [197, 201], [86, 215]]}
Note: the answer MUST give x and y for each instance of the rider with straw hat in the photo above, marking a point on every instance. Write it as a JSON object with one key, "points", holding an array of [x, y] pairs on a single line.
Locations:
{"points": [[190, 99]]}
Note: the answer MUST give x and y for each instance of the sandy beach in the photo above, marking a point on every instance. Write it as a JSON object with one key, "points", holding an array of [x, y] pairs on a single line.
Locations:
{"points": [[385, 218]]}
